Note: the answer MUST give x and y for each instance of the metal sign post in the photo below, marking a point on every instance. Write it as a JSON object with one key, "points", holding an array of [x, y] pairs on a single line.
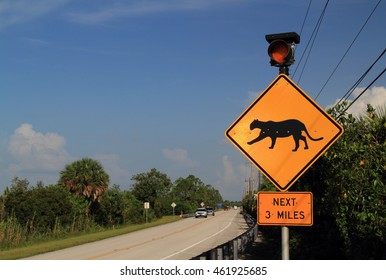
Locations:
{"points": [[283, 132], [284, 243]]}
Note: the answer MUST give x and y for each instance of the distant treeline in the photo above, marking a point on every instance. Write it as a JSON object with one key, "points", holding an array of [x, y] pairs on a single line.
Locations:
{"points": [[82, 201]]}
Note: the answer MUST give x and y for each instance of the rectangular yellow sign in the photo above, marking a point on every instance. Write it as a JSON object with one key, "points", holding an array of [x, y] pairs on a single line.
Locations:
{"points": [[285, 208]]}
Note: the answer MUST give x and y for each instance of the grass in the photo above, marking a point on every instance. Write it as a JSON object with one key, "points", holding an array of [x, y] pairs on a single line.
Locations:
{"points": [[57, 244]]}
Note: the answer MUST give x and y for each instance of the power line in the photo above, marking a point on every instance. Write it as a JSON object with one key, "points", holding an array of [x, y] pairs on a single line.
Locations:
{"points": [[312, 38], [301, 29], [305, 17], [351, 90], [336, 67], [384, 70]]}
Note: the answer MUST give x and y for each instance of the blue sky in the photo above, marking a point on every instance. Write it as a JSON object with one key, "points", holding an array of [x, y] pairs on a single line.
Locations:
{"points": [[154, 84]]}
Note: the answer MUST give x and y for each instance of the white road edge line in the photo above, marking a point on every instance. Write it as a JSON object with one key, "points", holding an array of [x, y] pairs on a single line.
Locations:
{"points": [[191, 246]]}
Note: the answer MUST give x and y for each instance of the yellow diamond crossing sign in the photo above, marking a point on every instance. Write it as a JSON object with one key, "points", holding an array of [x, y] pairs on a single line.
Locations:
{"points": [[283, 132]]}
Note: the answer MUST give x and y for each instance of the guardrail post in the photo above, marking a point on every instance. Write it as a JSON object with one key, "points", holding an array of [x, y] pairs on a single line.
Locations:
{"points": [[226, 249], [212, 254], [235, 249], [219, 253]]}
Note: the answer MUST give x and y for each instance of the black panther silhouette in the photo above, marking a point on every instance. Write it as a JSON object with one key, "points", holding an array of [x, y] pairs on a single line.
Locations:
{"points": [[281, 129]]}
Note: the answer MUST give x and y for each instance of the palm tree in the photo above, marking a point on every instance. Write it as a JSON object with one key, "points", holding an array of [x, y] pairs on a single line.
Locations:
{"points": [[85, 177]]}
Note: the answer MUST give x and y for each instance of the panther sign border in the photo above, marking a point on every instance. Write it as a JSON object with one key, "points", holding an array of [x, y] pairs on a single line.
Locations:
{"points": [[281, 111]]}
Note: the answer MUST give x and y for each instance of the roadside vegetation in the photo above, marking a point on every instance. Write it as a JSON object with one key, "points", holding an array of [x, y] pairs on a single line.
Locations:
{"points": [[82, 203], [349, 188]]}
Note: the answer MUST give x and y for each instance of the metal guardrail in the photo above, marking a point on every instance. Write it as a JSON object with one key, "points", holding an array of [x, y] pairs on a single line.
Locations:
{"points": [[234, 248]]}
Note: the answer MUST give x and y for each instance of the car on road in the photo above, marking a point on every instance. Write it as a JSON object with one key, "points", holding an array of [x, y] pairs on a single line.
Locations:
{"points": [[201, 212], [210, 210]]}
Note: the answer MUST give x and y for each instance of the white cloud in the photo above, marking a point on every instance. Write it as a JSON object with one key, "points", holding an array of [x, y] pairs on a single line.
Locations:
{"points": [[19, 11], [375, 96], [35, 42], [41, 157], [179, 156], [121, 9], [252, 95], [230, 176], [111, 164], [231, 180], [37, 152]]}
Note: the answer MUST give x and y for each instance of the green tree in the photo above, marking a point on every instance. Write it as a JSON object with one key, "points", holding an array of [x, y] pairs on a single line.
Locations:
{"points": [[188, 193], [39, 208], [152, 187], [15, 200], [85, 177], [117, 207], [358, 190], [349, 188], [50, 207], [19, 185], [134, 208]]}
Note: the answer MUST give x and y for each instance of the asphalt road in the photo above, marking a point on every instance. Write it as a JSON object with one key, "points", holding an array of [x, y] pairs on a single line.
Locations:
{"points": [[180, 240]]}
